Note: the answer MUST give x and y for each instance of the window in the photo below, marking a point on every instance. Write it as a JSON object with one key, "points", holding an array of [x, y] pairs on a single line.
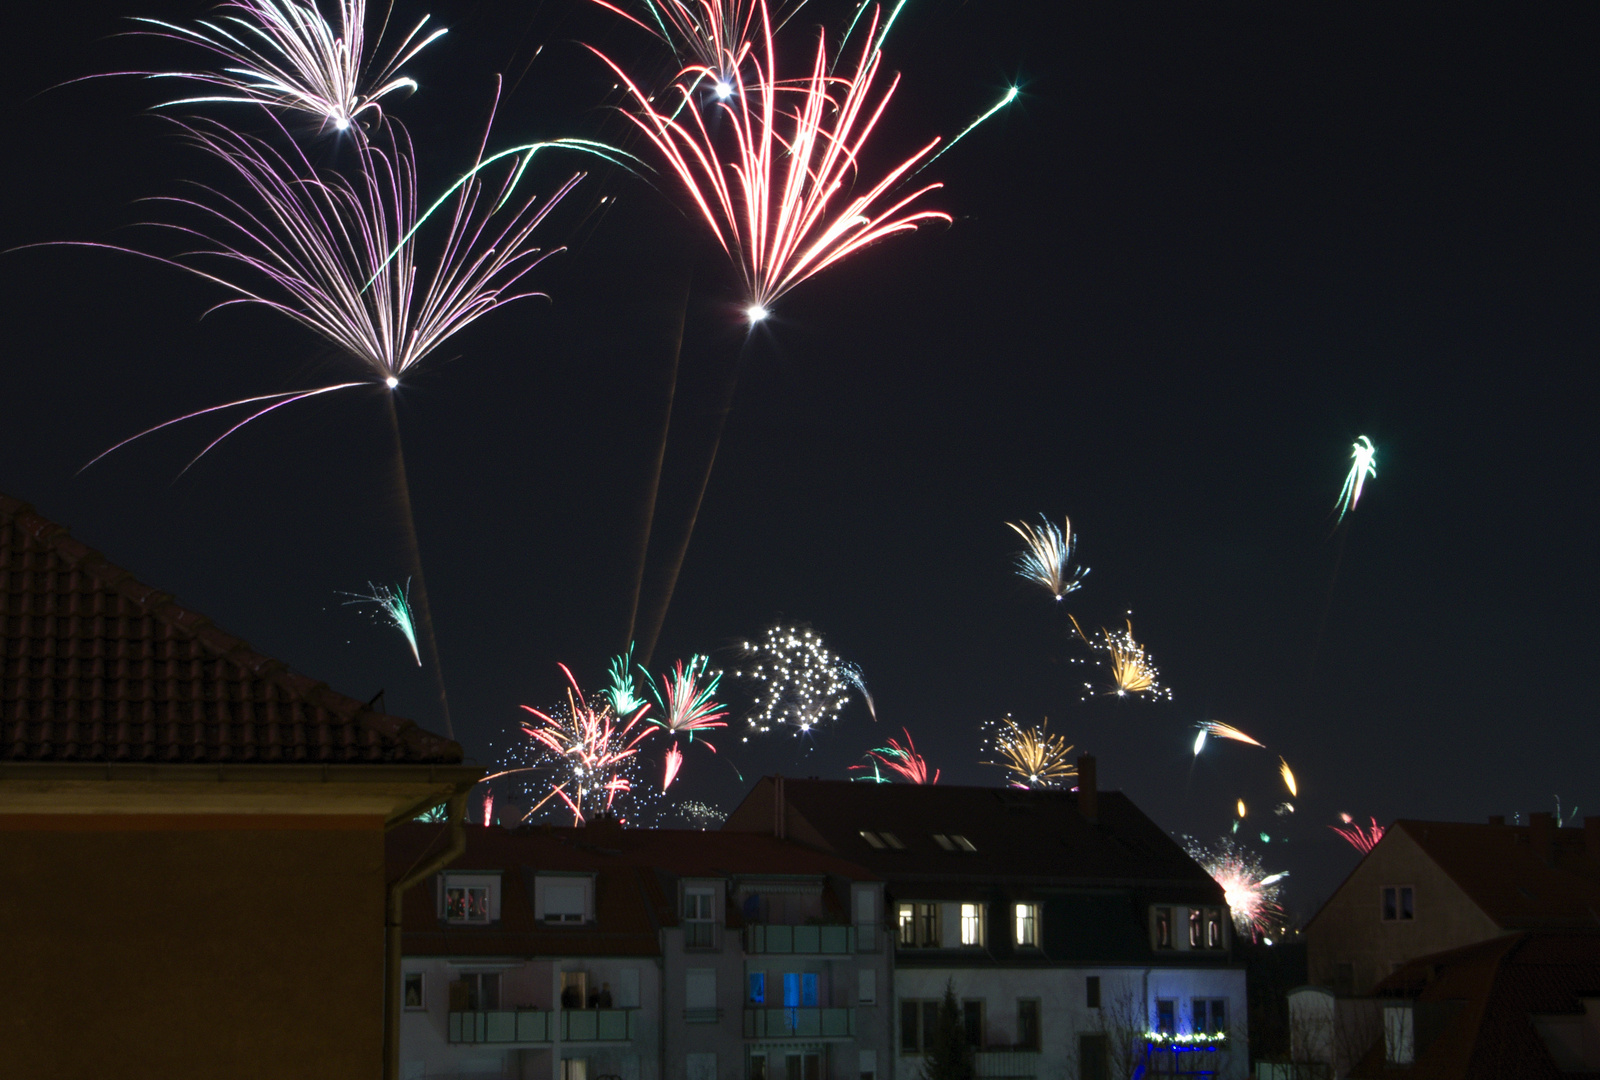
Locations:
{"points": [[481, 992], [1195, 928], [800, 989], [919, 1020], [866, 986], [1213, 928], [698, 924], [1028, 1024], [466, 903], [892, 840], [1027, 917], [574, 1069], [574, 989], [1091, 992], [866, 903], [1399, 1035], [413, 992], [564, 901], [919, 925], [1398, 903], [758, 1067], [802, 1066], [867, 1064], [962, 842], [1166, 1016], [972, 1023], [697, 1067], [972, 924], [873, 841], [1161, 918], [1094, 1057], [758, 988], [700, 995], [1210, 1016]]}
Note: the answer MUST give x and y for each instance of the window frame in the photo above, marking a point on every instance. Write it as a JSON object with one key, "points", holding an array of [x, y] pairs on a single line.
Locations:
{"points": [[972, 925], [969, 1007], [1397, 904], [1161, 937], [699, 931], [917, 925], [1166, 1024], [583, 882], [421, 979], [1025, 916], [1036, 1008]]}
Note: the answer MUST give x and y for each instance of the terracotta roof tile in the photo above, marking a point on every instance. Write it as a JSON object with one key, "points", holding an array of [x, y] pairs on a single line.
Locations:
{"points": [[98, 667]]}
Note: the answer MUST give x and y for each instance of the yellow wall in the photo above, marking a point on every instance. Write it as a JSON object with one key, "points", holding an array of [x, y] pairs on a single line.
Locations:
{"points": [[175, 947]]}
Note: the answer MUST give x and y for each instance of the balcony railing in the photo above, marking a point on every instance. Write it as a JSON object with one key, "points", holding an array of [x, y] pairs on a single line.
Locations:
{"points": [[1010, 1064], [597, 1025], [768, 938], [501, 1026], [799, 1023]]}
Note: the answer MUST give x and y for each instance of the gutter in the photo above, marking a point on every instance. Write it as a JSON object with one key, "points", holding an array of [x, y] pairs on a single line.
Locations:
{"points": [[391, 927]]}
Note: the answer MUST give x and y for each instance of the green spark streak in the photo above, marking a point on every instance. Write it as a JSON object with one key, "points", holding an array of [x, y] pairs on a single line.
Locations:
{"points": [[893, 15], [1009, 96]]}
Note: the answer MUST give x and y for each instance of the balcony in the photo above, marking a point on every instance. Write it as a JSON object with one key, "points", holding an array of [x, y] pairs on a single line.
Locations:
{"points": [[597, 1025], [1011, 1064], [800, 940], [799, 1023], [501, 1026]]}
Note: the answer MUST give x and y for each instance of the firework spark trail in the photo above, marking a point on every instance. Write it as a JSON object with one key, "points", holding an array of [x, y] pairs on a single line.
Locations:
{"points": [[1222, 731], [799, 683], [852, 674], [1362, 838], [687, 698], [1252, 893], [620, 691], [1132, 670], [1037, 758], [903, 760], [323, 251], [1363, 464], [1288, 778], [395, 603], [772, 207], [1005, 99], [595, 746], [712, 36], [673, 763], [1047, 560], [284, 55]]}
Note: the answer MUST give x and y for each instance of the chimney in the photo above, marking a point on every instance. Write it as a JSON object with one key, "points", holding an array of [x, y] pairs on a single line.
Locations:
{"points": [[1088, 795], [777, 806], [1591, 837], [1497, 819], [1542, 834]]}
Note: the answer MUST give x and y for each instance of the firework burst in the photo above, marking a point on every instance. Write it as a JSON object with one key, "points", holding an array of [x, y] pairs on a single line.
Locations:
{"points": [[620, 690], [1132, 671], [852, 674], [591, 751], [284, 55], [687, 698], [1047, 559], [1361, 837], [902, 760], [395, 604], [1220, 730], [767, 178], [799, 684], [1035, 758], [714, 36], [340, 256], [1251, 892], [1363, 466], [1288, 778]]}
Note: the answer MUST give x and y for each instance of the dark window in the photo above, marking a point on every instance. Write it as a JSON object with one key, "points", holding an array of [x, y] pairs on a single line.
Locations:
{"points": [[1166, 1016], [930, 1021], [1194, 928], [758, 1067], [1213, 928], [972, 1022], [1399, 903], [1389, 903], [758, 990], [1094, 1057], [1028, 1024], [910, 1036], [1407, 910], [483, 991], [1163, 927], [1091, 991]]}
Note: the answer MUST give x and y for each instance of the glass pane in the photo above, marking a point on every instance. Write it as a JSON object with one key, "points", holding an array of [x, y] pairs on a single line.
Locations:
{"points": [[909, 1011], [1166, 1016], [808, 990], [1388, 903], [1219, 1015], [758, 988], [1405, 903], [930, 1021], [791, 989]]}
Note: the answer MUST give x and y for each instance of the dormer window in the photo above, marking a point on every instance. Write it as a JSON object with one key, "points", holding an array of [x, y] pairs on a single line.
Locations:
{"points": [[892, 840], [872, 840], [962, 842], [469, 899], [943, 841], [563, 898]]}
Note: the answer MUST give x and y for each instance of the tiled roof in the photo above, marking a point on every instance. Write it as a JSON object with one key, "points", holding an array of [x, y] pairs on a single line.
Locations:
{"points": [[634, 870], [1501, 869], [96, 667], [1017, 834], [1475, 1005]]}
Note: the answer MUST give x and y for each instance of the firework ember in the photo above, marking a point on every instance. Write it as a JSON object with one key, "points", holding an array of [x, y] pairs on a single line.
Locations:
{"points": [[799, 683], [1362, 838], [395, 604], [1363, 465]]}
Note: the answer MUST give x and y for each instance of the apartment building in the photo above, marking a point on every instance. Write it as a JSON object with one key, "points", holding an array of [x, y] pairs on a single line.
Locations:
{"points": [[603, 953], [1080, 939]]}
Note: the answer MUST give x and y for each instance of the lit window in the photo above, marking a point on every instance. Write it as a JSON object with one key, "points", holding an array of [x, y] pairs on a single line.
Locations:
{"points": [[962, 842], [1213, 928], [1027, 916], [919, 925], [1166, 1016], [1161, 918], [1210, 1016], [943, 841], [1194, 928], [893, 841], [466, 904], [758, 987], [1398, 903], [872, 839], [972, 924]]}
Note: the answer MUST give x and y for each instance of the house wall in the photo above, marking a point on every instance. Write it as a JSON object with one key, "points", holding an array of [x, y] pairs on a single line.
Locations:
{"points": [[426, 1052], [1127, 997], [167, 947], [1349, 929]]}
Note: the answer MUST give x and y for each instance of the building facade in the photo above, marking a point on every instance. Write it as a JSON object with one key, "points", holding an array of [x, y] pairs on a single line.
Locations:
{"points": [[1078, 938]]}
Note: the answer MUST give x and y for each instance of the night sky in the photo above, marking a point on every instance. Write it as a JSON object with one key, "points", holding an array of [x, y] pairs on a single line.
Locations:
{"points": [[1208, 247]]}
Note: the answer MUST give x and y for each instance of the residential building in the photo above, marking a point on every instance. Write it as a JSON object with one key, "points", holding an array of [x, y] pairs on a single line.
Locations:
{"points": [[641, 954], [1080, 939], [192, 874]]}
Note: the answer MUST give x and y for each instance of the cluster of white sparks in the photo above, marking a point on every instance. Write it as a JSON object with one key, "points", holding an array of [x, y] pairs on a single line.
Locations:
{"points": [[1252, 893], [799, 684], [1034, 757], [1047, 559]]}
